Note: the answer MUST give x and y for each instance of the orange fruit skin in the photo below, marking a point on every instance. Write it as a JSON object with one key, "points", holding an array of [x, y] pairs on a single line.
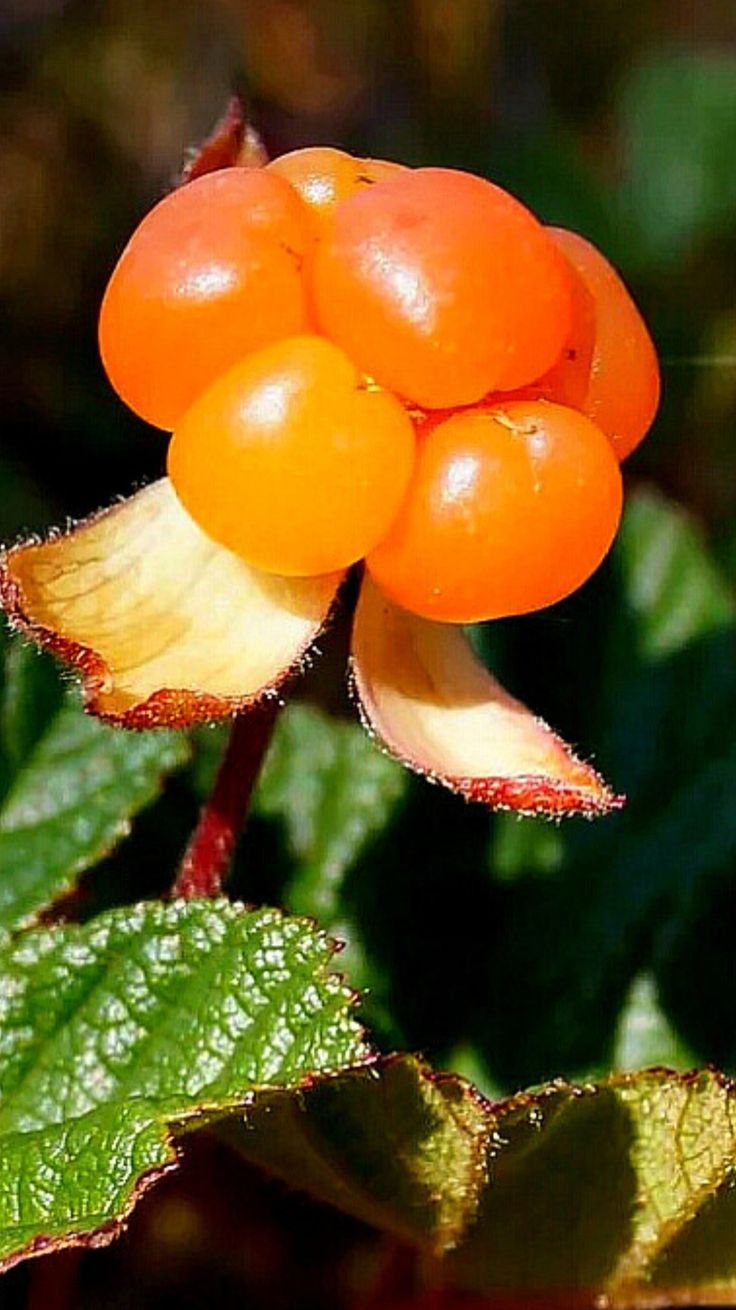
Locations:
{"points": [[510, 509], [291, 462], [324, 177], [442, 287], [608, 367], [213, 272]]}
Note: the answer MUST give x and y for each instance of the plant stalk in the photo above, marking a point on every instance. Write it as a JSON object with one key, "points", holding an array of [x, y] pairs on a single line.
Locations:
{"points": [[207, 859]]}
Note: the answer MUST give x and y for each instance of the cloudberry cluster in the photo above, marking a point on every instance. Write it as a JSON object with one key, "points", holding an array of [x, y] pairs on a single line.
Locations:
{"points": [[361, 360]]}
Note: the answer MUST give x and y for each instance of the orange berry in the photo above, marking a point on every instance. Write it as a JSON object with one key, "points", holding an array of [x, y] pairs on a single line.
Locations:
{"points": [[509, 510], [324, 176], [442, 287], [608, 367], [291, 461], [212, 272]]}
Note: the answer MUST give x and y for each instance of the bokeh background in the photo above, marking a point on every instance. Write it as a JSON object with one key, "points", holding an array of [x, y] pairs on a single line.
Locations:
{"points": [[512, 952]]}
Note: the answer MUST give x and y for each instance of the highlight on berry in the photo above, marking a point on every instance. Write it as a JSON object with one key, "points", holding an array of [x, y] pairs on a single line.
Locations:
{"points": [[358, 359]]}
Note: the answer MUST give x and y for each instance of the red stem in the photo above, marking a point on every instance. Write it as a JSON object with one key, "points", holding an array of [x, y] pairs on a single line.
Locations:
{"points": [[206, 861]]}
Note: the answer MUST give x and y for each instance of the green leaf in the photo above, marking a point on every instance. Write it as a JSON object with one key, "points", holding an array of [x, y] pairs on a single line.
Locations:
{"points": [[668, 689], [145, 1021], [71, 802], [678, 123], [393, 1143], [75, 1181], [334, 792], [30, 694], [70, 785], [675, 592], [522, 846], [644, 1035], [619, 1193]]}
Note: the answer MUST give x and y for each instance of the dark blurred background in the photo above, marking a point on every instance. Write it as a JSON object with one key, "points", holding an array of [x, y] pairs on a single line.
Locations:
{"points": [[614, 117]]}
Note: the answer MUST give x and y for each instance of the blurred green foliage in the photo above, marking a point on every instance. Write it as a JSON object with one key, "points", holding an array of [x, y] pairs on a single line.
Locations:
{"points": [[678, 121]]}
